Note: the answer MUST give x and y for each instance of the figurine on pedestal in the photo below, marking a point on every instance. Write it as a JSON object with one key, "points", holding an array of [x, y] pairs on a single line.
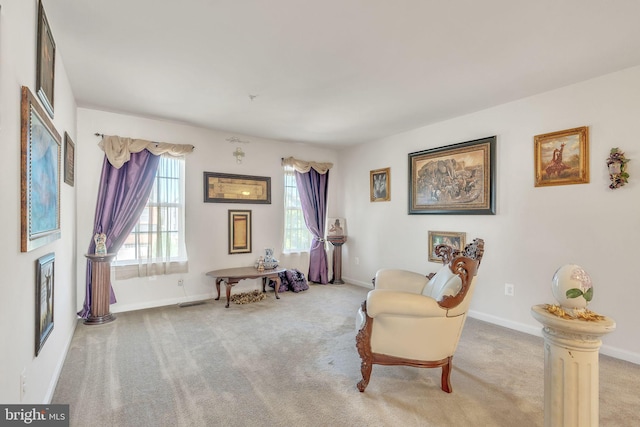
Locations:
{"points": [[101, 243], [572, 340], [336, 235]]}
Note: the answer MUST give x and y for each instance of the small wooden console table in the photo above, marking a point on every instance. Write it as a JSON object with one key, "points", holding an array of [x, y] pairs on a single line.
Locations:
{"points": [[100, 289], [231, 276]]}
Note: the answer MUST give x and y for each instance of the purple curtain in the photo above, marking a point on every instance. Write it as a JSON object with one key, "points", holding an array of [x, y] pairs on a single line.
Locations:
{"points": [[312, 187], [122, 196]]}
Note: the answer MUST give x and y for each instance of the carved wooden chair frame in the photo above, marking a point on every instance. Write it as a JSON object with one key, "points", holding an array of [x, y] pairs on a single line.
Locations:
{"points": [[465, 264]]}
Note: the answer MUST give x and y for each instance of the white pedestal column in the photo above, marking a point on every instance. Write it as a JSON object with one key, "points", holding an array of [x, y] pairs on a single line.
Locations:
{"points": [[571, 374]]}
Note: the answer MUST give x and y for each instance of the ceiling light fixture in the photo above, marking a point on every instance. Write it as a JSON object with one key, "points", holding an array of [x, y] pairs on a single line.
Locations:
{"points": [[238, 154]]}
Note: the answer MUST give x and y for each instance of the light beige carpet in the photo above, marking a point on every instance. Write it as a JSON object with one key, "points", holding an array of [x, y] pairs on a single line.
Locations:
{"points": [[293, 362]]}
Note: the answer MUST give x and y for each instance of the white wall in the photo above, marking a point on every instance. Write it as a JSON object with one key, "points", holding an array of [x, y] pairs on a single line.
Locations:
{"points": [[17, 287], [536, 230], [206, 236]]}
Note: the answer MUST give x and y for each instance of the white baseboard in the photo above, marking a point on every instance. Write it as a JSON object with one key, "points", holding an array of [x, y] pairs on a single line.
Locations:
{"points": [[58, 370], [368, 285], [118, 308], [607, 350]]}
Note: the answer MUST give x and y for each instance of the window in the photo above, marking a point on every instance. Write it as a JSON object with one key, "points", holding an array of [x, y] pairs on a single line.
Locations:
{"points": [[296, 235], [156, 244]]}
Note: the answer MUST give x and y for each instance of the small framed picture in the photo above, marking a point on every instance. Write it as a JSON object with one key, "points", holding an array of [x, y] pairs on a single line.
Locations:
{"points": [[69, 159], [380, 185], [239, 231], [454, 239], [562, 158], [46, 61], [44, 299]]}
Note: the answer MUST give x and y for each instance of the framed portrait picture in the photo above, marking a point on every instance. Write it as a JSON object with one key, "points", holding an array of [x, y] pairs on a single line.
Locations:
{"points": [[40, 176], [380, 185], [239, 231], [44, 299], [46, 61], [229, 188], [453, 239], [69, 159], [562, 157], [454, 179]]}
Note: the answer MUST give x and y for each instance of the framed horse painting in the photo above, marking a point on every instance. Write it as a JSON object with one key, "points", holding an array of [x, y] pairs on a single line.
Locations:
{"points": [[562, 158]]}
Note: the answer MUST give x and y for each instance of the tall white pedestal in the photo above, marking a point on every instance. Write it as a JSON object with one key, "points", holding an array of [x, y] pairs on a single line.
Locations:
{"points": [[571, 374]]}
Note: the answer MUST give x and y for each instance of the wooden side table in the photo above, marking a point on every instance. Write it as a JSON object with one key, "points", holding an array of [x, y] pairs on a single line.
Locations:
{"points": [[232, 276], [100, 289], [337, 242]]}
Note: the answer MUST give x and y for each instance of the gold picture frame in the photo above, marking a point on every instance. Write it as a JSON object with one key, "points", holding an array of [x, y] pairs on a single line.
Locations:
{"points": [[46, 61], [40, 176], [230, 188], [239, 231], [456, 240], [562, 157], [380, 185]]}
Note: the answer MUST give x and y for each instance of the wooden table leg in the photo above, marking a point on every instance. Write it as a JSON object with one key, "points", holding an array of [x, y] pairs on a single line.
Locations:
{"points": [[277, 286], [218, 288], [229, 286]]}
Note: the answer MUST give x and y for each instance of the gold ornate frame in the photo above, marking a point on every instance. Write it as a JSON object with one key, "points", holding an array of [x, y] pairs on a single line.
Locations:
{"points": [[562, 158], [380, 185]]}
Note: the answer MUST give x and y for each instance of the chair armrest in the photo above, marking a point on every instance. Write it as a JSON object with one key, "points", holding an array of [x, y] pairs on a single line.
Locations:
{"points": [[385, 301], [400, 280]]}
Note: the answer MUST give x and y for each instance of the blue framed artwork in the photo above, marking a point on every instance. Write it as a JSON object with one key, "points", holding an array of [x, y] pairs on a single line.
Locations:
{"points": [[40, 176]]}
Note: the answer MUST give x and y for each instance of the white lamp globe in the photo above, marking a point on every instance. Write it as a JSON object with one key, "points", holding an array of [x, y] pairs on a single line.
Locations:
{"points": [[571, 286]]}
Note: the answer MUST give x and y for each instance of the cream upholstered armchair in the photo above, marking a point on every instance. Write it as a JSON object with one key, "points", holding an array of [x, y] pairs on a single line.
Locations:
{"points": [[413, 320]]}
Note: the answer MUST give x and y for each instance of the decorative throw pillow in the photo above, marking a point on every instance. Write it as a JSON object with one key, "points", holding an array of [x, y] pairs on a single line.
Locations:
{"points": [[297, 281], [445, 282]]}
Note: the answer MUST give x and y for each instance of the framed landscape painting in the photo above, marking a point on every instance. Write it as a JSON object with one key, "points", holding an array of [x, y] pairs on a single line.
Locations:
{"points": [[40, 176], [454, 179], [562, 158]]}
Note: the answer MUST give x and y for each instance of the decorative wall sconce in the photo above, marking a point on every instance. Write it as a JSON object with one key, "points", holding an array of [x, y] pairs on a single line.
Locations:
{"points": [[238, 154], [617, 164]]}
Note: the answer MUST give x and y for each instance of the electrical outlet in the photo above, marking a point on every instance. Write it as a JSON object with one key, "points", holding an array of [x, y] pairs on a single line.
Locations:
{"points": [[509, 289], [180, 282]]}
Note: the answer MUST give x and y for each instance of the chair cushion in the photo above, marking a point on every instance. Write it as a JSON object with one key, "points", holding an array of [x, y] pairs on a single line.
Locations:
{"points": [[445, 282]]}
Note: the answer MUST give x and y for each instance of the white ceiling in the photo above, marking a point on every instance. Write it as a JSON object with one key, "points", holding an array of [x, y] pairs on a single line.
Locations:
{"points": [[332, 71]]}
